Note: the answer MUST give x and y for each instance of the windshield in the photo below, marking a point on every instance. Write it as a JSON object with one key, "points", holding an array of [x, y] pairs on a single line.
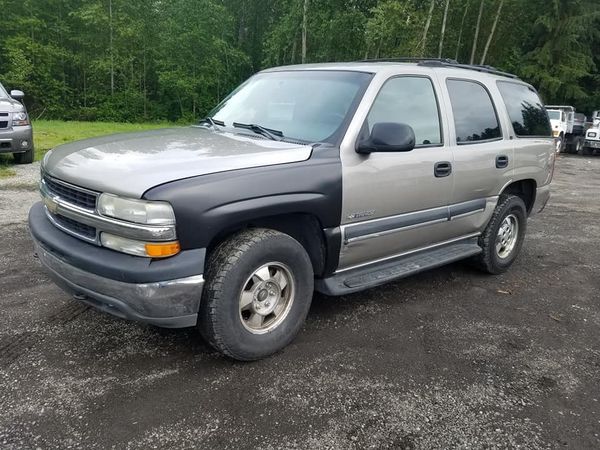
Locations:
{"points": [[308, 106], [554, 115]]}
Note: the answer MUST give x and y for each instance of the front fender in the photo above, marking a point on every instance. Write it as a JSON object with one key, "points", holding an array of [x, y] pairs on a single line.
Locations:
{"points": [[206, 205]]}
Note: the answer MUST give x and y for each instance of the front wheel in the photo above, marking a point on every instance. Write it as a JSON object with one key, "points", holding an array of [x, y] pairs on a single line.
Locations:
{"points": [[25, 157], [560, 142], [503, 238], [259, 287]]}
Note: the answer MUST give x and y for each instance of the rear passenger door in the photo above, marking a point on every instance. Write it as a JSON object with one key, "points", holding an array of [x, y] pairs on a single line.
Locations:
{"points": [[483, 154]]}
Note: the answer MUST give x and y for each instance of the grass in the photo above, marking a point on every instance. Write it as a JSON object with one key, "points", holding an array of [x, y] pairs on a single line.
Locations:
{"points": [[47, 134], [5, 169]]}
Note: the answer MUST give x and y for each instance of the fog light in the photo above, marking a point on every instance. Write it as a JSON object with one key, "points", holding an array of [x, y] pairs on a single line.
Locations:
{"points": [[25, 144]]}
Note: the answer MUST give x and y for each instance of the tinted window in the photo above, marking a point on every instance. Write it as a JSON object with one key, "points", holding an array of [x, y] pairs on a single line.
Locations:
{"points": [[474, 115], [525, 109], [412, 101]]}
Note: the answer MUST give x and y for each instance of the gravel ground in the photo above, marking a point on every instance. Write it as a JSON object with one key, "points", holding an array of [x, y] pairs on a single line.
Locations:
{"points": [[17, 193], [449, 358]]}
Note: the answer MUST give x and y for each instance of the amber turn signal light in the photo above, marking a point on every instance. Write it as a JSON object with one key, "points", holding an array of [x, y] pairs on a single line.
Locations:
{"points": [[163, 250]]}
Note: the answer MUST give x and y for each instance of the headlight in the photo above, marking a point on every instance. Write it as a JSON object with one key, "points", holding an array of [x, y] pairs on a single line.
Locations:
{"points": [[138, 248], [20, 119], [136, 211], [592, 134]]}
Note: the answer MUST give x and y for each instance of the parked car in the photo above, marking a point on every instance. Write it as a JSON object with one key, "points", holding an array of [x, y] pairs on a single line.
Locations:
{"points": [[334, 177], [16, 134]]}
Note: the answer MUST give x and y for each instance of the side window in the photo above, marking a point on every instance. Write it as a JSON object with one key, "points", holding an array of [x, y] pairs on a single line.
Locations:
{"points": [[475, 118], [525, 109], [412, 101]]}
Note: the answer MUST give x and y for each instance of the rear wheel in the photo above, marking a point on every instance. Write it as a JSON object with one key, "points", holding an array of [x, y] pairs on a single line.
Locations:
{"points": [[259, 287], [578, 145], [503, 238], [25, 157]]}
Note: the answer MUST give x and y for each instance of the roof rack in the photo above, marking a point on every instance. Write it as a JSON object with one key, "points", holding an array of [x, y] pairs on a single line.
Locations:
{"points": [[446, 62], [411, 60]]}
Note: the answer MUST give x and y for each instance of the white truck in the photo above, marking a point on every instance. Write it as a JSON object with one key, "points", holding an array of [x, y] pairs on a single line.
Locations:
{"points": [[569, 138], [591, 144]]}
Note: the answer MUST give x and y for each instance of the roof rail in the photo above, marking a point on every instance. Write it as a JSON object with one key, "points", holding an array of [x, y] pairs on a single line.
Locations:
{"points": [[445, 62], [410, 60], [477, 67]]}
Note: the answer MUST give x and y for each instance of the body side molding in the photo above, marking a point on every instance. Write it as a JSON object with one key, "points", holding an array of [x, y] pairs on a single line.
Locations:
{"points": [[386, 225]]}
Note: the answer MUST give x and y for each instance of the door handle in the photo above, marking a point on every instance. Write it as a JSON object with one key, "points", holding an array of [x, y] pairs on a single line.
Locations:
{"points": [[502, 162], [442, 169]]}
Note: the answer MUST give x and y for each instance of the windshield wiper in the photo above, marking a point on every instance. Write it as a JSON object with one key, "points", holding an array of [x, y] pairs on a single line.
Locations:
{"points": [[274, 135], [212, 122]]}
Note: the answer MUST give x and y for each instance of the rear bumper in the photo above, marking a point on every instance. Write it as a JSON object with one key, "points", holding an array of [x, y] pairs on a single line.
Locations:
{"points": [[11, 139], [541, 199], [164, 293]]}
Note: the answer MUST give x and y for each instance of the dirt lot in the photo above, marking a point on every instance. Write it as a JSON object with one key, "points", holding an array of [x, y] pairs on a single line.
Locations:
{"points": [[450, 358]]}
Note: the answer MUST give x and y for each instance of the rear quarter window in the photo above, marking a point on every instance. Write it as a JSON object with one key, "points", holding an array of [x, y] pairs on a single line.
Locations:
{"points": [[525, 109]]}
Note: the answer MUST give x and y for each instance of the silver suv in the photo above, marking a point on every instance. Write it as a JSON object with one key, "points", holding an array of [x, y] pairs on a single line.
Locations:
{"points": [[334, 177], [16, 135]]}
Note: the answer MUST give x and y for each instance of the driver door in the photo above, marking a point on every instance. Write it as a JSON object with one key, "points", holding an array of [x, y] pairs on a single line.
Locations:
{"points": [[394, 203]]}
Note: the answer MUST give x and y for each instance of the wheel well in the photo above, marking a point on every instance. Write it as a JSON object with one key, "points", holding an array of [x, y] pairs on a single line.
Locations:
{"points": [[526, 189], [305, 228]]}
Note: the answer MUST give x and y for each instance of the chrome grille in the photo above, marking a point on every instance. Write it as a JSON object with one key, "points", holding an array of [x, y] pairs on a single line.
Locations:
{"points": [[3, 120], [72, 209], [80, 229], [72, 194]]}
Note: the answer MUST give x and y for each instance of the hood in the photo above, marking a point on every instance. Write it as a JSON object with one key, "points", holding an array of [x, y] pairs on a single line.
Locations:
{"points": [[130, 164], [10, 105], [593, 134]]}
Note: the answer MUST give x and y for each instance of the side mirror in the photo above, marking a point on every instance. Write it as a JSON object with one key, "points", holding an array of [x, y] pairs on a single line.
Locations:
{"points": [[17, 95], [388, 137]]}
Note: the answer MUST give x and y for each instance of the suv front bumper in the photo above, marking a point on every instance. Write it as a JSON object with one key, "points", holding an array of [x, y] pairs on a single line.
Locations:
{"points": [[11, 139], [165, 293]]}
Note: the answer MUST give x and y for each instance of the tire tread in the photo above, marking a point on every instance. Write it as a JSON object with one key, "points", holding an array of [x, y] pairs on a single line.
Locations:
{"points": [[220, 263], [484, 260]]}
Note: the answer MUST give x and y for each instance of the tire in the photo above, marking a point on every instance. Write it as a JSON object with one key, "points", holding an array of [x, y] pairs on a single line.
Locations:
{"points": [[236, 273], [25, 157], [585, 151], [492, 260], [578, 146]]}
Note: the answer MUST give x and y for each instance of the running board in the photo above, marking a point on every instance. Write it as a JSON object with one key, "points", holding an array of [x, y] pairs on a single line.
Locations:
{"points": [[367, 277]]}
